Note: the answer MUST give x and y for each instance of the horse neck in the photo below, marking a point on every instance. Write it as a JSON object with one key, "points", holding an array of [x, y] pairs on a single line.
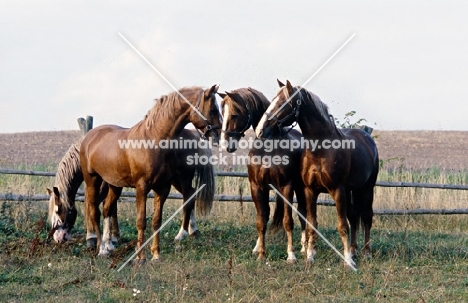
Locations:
{"points": [[258, 112], [313, 125], [164, 127], [70, 188]]}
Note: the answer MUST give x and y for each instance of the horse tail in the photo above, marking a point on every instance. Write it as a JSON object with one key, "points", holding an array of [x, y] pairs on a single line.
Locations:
{"points": [[277, 221], [204, 175]]}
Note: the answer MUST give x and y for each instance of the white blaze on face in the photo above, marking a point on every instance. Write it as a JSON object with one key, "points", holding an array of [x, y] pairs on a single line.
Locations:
{"points": [[264, 117], [225, 121], [219, 111], [56, 221]]}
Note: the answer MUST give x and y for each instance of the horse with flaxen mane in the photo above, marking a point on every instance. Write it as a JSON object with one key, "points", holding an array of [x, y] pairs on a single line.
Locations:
{"points": [[346, 166], [243, 108], [62, 211], [103, 160]]}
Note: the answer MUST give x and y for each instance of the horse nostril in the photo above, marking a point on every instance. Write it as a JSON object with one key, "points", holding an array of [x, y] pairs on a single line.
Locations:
{"points": [[260, 133]]}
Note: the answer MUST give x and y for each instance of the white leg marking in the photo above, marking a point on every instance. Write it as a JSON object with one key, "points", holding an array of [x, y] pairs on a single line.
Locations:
{"points": [[291, 255], [303, 242], [349, 259], [181, 235], [106, 246], [192, 224], [257, 247], [311, 254]]}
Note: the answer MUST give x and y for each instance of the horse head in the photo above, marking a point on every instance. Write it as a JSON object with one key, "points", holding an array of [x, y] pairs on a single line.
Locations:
{"points": [[62, 217], [205, 115], [283, 111]]}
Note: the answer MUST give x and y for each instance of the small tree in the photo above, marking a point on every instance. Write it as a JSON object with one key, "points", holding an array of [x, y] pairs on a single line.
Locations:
{"points": [[346, 123]]}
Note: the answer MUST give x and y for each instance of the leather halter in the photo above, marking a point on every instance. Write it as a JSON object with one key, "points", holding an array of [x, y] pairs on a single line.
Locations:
{"points": [[246, 127], [208, 127], [70, 216], [294, 113]]}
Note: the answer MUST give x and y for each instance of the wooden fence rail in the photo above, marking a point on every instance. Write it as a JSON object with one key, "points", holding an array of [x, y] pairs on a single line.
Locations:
{"points": [[234, 198]]}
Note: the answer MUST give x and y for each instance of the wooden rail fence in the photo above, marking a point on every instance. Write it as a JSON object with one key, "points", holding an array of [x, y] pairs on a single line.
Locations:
{"points": [[129, 196]]}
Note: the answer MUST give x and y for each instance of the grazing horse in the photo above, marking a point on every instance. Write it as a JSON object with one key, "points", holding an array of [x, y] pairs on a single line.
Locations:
{"points": [[243, 108], [344, 164], [102, 158], [62, 211]]}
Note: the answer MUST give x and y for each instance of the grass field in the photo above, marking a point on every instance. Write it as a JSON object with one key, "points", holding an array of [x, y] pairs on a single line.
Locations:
{"points": [[421, 258]]}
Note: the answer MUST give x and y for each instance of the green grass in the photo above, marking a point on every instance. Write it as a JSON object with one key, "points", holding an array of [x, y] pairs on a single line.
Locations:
{"points": [[415, 258]]}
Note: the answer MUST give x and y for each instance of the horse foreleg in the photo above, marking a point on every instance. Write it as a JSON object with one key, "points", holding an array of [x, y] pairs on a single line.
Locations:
{"points": [[141, 193], [262, 206], [311, 235], [339, 195], [159, 199], [288, 222], [92, 212], [109, 209]]}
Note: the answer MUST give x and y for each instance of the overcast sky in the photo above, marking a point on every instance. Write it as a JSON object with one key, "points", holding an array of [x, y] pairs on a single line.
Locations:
{"points": [[406, 68]]}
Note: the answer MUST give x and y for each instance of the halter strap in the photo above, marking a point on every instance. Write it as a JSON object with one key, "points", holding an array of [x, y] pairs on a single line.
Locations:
{"points": [[208, 127], [294, 113]]}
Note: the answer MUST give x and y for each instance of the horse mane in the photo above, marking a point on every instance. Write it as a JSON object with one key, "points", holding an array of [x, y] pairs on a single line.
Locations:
{"points": [[164, 105], [253, 99], [321, 107], [69, 173]]}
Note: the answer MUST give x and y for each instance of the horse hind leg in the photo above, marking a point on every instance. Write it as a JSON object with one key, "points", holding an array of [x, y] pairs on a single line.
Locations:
{"points": [[353, 215], [92, 212], [339, 195], [302, 213], [159, 199], [115, 230], [288, 224], [366, 198], [188, 225], [262, 206], [109, 210]]}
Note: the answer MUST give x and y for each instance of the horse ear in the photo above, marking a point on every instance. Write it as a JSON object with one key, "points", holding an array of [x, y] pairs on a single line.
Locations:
{"points": [[49, 191], [212, 90], [281, 84], [222, 95], [289, 86], [231, 95], [56, 191]]}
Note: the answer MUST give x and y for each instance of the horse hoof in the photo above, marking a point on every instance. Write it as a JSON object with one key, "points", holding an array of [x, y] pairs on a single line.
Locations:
{"points": [[115, 240], [261, 257], [156, 259], [196, 234], [103, 254], [91, 243], [138, 262]]}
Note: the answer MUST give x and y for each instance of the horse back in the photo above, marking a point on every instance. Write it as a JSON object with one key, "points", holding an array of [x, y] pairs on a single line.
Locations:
{"points": [[364, 163]]}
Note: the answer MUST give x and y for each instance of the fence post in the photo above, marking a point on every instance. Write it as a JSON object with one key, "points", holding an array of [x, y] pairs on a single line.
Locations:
{"points": [[85, 124]]}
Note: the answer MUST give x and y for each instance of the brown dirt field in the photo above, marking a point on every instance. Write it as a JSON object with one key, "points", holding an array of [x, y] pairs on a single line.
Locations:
{"points": [[411, 149]]}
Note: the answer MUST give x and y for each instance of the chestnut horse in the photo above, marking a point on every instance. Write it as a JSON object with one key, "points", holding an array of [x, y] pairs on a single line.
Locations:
{"points": [[62, 211], [243, 108], [103, 159], [345, 164]]}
